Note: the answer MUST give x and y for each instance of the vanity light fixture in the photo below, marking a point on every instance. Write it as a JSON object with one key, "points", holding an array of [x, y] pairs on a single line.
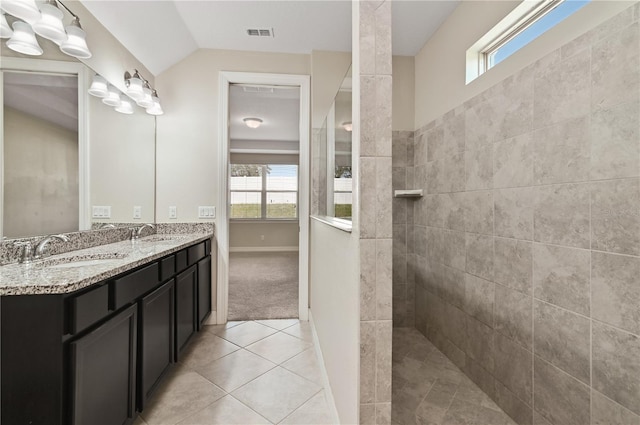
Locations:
{"points": [[76, 43], [252, 122], [135, 85], [348, 126], [156, 109], [5, 29], [113, 97], [24, 40], [27, 10], [146, 101], [50, 23], [125, 106], [99, 86]]}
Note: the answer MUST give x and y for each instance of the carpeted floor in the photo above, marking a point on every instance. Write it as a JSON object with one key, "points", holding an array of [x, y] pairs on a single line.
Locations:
{"points": [[263, 285]]}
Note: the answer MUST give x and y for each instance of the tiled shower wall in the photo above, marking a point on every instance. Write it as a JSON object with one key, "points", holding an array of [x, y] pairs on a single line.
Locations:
{"points": [[403, 276], [527, 242]]}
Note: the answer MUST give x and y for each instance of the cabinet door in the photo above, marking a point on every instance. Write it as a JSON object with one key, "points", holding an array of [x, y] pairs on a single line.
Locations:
{"points": [[156, 338], [204, 290], [103, 367], [185, 307]]}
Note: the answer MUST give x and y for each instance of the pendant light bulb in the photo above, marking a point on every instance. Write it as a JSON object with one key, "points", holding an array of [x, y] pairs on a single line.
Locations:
{"points": [[135, 86], [50, 23], [112, 98], [5, 29], [24, 40], [76, 43], [347, 126], [99, 86], [26, 10], [125, 106]]}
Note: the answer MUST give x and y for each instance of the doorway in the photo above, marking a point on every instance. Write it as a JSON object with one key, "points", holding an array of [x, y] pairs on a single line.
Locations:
{"points": [[264, 169]]}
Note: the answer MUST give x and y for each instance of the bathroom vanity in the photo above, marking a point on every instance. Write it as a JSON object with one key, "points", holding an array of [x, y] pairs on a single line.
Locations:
{"points": [[88, 335]]}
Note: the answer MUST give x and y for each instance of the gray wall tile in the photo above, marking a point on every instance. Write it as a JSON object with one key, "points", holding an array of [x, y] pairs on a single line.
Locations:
{"points": [[513, 162], [512, 263], [561, 276], [561, 215], [605, 411], [479, 295], [479, 261], [514, 368], [559, 398], [479, 168], [513, 213], [563, 339], [478, 212], [615, 292], [616, 365], [514, 316]]}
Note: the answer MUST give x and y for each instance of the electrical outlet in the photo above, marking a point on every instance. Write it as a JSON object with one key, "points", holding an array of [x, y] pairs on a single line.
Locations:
{"points": [[137, 212], [173, 212], [206, 212], [101, 211]]}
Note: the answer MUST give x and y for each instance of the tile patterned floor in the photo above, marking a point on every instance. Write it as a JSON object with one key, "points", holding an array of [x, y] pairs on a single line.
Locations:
{"points": [[428, 389], [254, 372]]}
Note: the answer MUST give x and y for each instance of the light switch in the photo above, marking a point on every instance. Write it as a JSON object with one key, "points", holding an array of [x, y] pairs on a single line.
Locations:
{"points": [[173, 212], [137, 212], [101, 211], [206, 212]]}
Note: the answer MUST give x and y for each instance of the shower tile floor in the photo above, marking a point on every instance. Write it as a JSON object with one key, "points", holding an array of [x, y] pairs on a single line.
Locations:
{"points": [[253, 372], [428, 389]]}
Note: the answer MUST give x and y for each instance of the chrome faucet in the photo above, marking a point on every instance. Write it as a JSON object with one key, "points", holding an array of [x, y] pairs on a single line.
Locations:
{"points": [[40, 246], [29, 253], [107, 226], [137, 232]]}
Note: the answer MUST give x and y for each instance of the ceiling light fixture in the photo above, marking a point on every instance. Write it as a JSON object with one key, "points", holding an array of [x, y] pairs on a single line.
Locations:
{"points": [[50, 24], [135, 85], [253, 122], [27, 10], [99, 86], [139, 89], [5, 29], [24, 40], [348, 126]]}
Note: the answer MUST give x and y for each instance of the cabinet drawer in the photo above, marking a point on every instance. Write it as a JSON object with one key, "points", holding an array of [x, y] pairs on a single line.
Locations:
{"points": [[181, 260], [131, 286], [195, 253], [88, 308], [167, 267]]}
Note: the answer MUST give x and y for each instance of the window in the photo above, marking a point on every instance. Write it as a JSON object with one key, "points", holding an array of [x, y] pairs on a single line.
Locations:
{"points": [[526, 23], [261, 191]]}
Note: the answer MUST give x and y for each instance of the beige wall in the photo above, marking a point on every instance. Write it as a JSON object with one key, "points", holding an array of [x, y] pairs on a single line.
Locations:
{"points": [[122, 162], [440, 64], [276, 235], [40, 176], [187, 134], [403, 93]]}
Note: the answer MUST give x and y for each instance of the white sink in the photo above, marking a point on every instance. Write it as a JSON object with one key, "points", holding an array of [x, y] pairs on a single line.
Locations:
{"points": [[81, 260]]}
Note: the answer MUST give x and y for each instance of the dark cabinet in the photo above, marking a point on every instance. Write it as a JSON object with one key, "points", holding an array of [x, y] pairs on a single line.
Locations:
{"points": [[94, 356], [204, 290], [103, 372], [186, 291], [156, 340]]}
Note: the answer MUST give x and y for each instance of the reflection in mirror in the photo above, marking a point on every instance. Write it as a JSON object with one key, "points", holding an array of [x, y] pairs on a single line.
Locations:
{"points": [[41, 192], [333, 188], [119, 173]]}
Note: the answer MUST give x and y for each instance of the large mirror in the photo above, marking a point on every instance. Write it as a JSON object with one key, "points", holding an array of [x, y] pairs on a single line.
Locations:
{"points": [[69, 162], [333, 158]]}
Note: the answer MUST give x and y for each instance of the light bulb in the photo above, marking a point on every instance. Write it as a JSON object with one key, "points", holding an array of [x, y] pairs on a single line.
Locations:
{"points": [[253, 122]]}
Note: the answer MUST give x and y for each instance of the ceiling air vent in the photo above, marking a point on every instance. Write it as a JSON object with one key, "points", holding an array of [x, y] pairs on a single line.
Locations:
{"points": [[254, 32]]}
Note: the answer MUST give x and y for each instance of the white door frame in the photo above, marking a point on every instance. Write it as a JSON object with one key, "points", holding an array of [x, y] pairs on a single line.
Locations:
{"points": [[222, 221]]}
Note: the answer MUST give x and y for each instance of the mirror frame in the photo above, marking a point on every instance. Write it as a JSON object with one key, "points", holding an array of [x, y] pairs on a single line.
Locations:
{"points": [[61, 67]]}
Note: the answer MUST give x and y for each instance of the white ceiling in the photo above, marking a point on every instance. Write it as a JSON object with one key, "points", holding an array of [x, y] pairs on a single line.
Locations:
{"points": [[161, 33]]}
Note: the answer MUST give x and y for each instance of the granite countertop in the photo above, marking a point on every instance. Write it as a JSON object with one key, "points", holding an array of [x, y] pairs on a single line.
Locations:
{"points": [[59, 275]]}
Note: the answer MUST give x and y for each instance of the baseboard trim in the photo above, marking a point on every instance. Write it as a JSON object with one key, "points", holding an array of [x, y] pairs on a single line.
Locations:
{"points": [[325, 377], [263, 249]]}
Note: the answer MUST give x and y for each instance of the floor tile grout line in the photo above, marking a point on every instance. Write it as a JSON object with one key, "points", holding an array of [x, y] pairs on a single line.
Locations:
{"points": [[299, 407], [250, 408]]}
